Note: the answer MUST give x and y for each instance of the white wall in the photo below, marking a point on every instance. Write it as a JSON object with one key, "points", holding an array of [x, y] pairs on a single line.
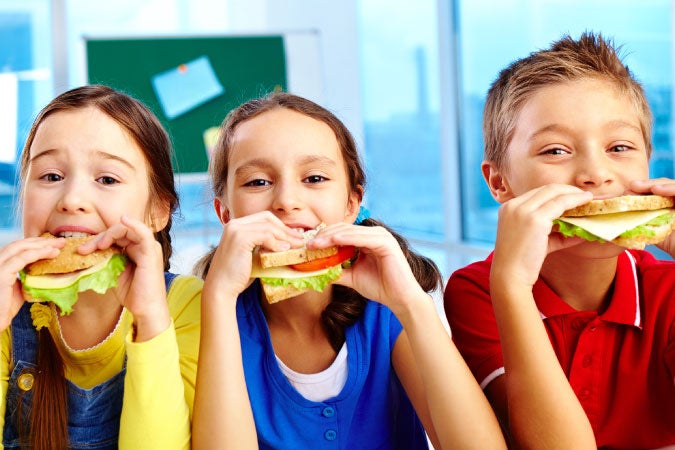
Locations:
{"points": [[336, 25]]}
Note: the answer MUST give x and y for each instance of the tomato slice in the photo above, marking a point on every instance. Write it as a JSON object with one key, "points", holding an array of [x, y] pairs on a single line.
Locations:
{"points": [[344, 253]]}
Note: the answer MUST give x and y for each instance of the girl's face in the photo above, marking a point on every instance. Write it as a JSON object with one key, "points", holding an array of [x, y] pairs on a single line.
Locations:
{"points": [[584, 133], [85, 172], [290, 164]]}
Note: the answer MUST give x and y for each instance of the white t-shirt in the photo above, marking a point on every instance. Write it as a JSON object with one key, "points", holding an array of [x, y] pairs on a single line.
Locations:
{"points": [[323, 385]]}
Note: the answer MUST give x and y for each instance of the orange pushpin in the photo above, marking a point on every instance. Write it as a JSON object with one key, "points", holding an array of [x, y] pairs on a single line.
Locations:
{"points": [[183, 68]]}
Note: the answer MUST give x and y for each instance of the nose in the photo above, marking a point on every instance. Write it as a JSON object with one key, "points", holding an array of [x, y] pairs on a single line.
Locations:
{"points": [[287, 197], [594, 170], [73, 198]]}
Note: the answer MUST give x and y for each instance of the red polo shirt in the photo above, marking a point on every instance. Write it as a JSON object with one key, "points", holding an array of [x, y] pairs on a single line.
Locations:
{"points": [[620, 363]]}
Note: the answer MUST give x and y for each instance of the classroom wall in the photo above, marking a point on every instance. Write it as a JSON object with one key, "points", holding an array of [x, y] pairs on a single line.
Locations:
{"points": [[336, 23]]}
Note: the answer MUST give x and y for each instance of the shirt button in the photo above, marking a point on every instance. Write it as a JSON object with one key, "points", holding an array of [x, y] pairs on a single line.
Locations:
{"points": [[25, 381], [584, 394], [587, 361], [330, 435], [328, 411]]}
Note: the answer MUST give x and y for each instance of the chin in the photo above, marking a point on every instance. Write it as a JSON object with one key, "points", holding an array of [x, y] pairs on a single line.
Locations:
{"points": [[593, 250]]}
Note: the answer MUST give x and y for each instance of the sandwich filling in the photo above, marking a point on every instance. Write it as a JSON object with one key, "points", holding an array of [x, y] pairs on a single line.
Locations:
{"points": [[607, 227], [63, 289], [285, 276]]}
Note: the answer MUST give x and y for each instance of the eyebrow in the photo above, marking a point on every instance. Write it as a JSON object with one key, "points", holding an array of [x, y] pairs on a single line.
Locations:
{"points": [[42, 154], [261, 163], [615, 124], [102, 154], [106, 155]]}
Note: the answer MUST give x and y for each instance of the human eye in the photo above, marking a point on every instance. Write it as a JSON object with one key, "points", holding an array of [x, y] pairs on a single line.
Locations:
{"points": [[51, 177], [107, 180], [258, 182], [312, 179], [554, 151], [620, 148]]}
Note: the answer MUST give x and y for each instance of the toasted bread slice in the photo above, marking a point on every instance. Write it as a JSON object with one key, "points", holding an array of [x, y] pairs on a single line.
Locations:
{"points": [[293, 256], [68, 260], [296, 255], [276, 294], [621, 204]]}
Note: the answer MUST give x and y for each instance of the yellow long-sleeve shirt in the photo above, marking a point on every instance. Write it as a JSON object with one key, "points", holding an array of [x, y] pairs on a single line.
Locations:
{"points": [[159, 384]]}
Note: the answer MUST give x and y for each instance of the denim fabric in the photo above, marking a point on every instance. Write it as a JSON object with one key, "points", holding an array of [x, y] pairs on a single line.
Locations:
{"points": [[93, 414]]}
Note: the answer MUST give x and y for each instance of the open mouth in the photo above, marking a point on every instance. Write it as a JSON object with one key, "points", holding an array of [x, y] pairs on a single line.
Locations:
{"points": [[73, 234]]}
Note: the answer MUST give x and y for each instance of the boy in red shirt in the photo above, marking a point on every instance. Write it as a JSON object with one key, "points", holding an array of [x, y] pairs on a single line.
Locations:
{"points": [[572, 341]]}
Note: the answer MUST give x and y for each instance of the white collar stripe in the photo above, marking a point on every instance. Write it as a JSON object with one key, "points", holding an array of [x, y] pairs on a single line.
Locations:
{"points": [[491, 377], [638, 318]]}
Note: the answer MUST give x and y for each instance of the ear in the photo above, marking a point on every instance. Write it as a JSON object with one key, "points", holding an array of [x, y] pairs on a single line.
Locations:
{"points": [[496, 181], [353, 204], [159, 216], [221, 211]]}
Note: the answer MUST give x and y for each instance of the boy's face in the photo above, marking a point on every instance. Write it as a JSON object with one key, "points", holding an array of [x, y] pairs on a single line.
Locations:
{"points": [[583, 133]]}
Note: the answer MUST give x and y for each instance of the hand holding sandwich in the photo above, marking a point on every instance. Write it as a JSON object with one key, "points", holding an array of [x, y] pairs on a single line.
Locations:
{"points": [[658, 186], [14, 257], [141, 283], [381, 273], [232, 262], [524, 234]]}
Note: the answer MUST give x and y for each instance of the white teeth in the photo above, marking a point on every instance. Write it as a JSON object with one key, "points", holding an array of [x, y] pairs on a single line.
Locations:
{"points": [[73, 234]]}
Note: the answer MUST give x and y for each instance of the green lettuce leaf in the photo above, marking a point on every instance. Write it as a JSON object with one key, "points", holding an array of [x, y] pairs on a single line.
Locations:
{"points": [[569, 230], [646, 228], [99, 282], [317, 282]]}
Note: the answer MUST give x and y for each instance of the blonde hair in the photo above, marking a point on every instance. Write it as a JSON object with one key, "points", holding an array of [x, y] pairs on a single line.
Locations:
{"points": [[566, 60]]}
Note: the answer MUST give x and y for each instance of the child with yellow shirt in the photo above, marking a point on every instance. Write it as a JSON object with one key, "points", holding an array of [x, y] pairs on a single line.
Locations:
{"points": [[119, 370]]}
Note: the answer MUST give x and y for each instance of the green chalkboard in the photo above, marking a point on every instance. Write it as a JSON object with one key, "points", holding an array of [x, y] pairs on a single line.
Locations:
{"points": [[246, 66]]}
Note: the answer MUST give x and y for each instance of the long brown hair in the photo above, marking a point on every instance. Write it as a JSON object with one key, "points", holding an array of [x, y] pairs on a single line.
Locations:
{"points": [[49, 417], [346, 304]]}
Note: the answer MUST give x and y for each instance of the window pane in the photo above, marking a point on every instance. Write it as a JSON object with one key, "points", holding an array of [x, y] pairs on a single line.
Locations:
{"points": [[25, 85], [488, 43], [400, 92]]}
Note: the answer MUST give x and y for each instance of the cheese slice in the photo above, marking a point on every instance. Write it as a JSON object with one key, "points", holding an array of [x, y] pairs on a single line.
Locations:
{"points": [[610, 226], [280, 272], [58, 281]]}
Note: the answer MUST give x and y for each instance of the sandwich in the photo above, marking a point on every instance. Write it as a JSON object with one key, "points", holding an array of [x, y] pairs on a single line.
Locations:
{"points": [[289, 273], [59, 280], [631, 221]]}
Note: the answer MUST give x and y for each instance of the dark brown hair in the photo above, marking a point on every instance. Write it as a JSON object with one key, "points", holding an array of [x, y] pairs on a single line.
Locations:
{"points": [[346, 304], [590, 57], [49, 411]]}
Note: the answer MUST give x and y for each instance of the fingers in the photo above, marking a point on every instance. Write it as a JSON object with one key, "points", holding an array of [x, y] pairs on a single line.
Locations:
{"points": [[260, 230], [658, 186], [376, 240], [19, 254], [548, 202], [128, 234]]}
